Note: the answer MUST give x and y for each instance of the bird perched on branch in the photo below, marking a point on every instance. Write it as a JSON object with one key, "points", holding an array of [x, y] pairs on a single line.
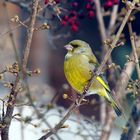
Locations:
{"points": [[79, 67]]}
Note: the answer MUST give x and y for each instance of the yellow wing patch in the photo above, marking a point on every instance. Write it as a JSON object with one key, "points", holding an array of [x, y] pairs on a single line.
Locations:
{"points": [[101, 81]]}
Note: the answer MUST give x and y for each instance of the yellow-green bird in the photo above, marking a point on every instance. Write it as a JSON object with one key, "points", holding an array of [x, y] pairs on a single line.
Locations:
{"points": [[79, 66]]}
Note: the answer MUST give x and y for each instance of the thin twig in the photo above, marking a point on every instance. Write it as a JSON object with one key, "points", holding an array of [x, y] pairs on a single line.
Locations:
{"points": [[133, 40], [109, 122], [113, 44], [71, 109], [9, 111], [103, 35], [113, 18], [62, 121], [10, 33], [100, 20], [119, 89], [107, 56], [29, 36], [37, 112], [12, 29]]}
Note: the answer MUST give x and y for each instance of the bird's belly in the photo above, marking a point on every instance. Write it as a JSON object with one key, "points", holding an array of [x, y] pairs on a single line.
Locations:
{"points": [[77, 75]]}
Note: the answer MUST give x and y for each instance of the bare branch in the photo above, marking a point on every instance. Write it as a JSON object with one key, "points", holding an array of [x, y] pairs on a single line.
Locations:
{"points": [[29, 36], [133, 40], [11, 102], [113, 18], [75, 105], [100, 20]]}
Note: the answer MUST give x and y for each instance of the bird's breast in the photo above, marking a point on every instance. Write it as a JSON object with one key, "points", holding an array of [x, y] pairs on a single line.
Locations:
{"points": [[77, 72]]}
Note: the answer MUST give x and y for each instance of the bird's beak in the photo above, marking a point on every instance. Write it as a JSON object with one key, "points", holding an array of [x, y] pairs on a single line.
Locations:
{"points": [[68, 47]]}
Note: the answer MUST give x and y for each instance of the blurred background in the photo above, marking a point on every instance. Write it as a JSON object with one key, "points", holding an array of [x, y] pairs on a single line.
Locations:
{"points": [[40, 102]]}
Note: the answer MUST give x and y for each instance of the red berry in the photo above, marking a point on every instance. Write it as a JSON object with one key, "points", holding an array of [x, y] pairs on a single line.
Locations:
{"points": [[63, 23], [66, 18], [46, 1], [74, 28], [91, 14], [71, 21], [108, 5], [77, 23], [88, 6], [73, 13], [116, 1]]}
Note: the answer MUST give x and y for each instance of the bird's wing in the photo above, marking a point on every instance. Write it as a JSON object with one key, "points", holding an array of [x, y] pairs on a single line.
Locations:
{"points": [[93, 62], [102, 82]]}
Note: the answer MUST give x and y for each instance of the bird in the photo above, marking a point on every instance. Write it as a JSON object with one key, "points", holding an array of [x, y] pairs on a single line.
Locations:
{"points": [[80, 65]]}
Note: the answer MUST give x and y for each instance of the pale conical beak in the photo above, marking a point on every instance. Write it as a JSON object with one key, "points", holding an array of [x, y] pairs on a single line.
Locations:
{"points": [[68, 47]]}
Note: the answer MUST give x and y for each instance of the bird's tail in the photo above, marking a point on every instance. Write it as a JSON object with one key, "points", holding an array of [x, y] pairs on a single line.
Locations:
{"points": [[113, 103], [116, 108]]}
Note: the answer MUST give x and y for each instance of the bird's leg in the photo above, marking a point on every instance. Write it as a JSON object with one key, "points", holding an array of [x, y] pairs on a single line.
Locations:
{"points": [[79, 102], [84, 101], [85, 89]]}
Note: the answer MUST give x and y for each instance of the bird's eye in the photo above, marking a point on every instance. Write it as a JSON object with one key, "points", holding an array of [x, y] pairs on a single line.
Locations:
{"points": [[75, 45]]}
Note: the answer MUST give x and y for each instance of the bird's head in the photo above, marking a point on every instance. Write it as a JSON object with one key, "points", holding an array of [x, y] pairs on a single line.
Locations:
{"points": [[78, 47]]}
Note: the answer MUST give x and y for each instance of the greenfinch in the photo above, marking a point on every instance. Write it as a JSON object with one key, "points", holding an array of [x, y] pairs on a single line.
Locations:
{"points": [[79, 67]]}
